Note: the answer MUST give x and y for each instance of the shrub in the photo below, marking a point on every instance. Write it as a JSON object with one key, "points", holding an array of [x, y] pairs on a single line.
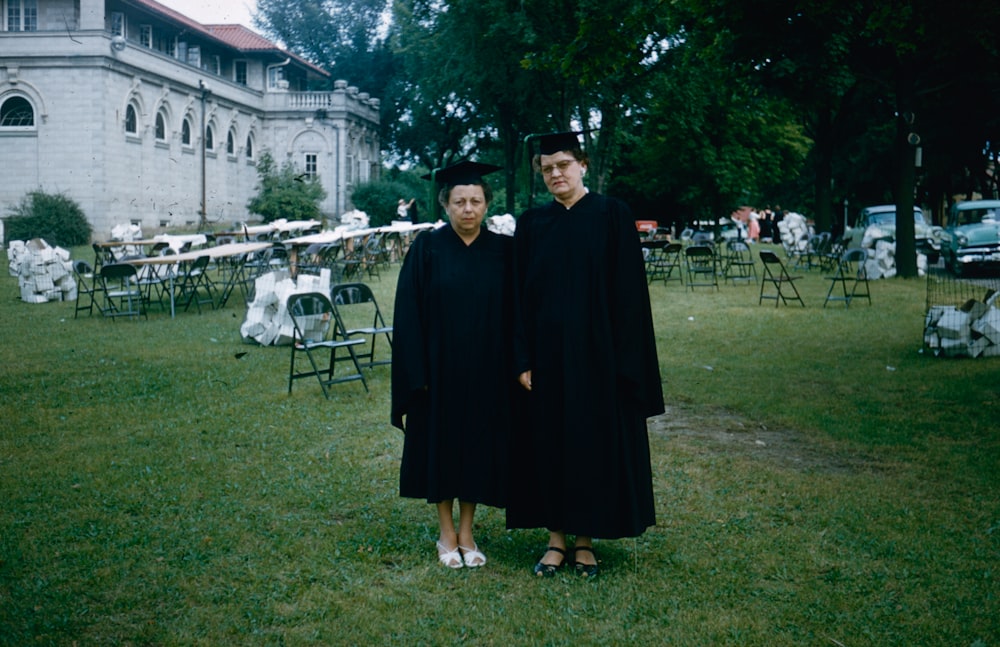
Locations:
{"points": [[53, 217], [379, 199], [285, 193]]}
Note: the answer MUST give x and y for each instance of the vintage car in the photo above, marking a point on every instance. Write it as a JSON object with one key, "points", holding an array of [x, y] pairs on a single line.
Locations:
{"points": [[972, 236], [879, 222]]}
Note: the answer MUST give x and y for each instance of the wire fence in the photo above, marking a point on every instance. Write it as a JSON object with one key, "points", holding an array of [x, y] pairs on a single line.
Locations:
{"points": [[945, 289], [961, 317]]}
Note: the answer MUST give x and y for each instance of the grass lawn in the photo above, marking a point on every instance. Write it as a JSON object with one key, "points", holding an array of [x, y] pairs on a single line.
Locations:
{"points": [[819, 481]]}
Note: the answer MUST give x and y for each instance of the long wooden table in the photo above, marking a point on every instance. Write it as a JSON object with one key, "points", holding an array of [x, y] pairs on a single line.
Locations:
{"points": [[229, 250]]}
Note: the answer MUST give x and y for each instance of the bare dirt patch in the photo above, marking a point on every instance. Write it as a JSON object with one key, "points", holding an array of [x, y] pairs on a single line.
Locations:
{"points": [[723, 431]]}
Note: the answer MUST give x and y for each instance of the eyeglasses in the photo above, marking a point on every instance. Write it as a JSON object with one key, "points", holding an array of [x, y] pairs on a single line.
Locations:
{"points": [[561, 165]]}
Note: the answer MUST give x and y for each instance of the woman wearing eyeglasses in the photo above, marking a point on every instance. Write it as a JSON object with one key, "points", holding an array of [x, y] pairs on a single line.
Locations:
{"points": [[586, 355]]}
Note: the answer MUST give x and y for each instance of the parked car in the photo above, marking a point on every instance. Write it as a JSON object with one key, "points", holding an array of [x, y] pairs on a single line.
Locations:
{"points": [[879, 221], [972, 236], [728, 230]]}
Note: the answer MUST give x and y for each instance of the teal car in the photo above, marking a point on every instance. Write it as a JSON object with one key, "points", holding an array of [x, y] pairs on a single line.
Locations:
{"points": [[972, 237]]}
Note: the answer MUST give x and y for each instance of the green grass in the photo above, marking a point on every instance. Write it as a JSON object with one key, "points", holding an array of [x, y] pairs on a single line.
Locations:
{"points": [[818, 480]]}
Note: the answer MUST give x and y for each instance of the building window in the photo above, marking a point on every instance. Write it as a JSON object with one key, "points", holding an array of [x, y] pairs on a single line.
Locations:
{"points": [[131, 120], [209, 138], [312, 167], [240, 72], [231, 142], [161, 127], [186, 132], [214, 64], [170, 47], [250, 147], [146, 35], [194, 55], [16, 112], [117, 24], [22, 15], [276, 78]]}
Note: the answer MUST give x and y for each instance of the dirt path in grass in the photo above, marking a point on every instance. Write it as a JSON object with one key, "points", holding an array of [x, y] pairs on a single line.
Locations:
{"points": [[723, 431]]}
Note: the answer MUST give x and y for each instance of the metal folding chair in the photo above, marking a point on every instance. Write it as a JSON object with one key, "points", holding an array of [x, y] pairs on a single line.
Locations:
{"points": [[358, 316], [851, 271], [777, 277], [313, 332]]}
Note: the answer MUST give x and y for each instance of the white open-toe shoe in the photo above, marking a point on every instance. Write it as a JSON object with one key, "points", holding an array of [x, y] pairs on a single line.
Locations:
{"points": [[472, 557], [450, 558]]}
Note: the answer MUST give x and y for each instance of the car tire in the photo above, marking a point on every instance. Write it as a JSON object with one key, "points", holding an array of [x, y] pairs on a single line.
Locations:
{"points": [[955, 267]]}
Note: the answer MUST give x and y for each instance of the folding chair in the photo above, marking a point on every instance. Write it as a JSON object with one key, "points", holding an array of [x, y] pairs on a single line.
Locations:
{"points": [[195, 286], [851, 269], [358, 316], [87, 287], [702, 270], [777, 277], [312, 316], [122, 294], [739, 265], [664, 262]]}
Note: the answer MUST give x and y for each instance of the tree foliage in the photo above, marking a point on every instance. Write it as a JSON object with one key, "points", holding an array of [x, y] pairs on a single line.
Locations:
{"points": [[53, 217], [696, 105], [285, 192]]}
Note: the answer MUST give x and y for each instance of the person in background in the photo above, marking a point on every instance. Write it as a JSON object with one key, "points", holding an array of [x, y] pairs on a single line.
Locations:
{"points": [[451, 367], [412, 212], [402, 210], [585, 354]]}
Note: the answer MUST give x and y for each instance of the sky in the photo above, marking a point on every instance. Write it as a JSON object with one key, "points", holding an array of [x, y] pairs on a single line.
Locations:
{"points": [[213, 12]]}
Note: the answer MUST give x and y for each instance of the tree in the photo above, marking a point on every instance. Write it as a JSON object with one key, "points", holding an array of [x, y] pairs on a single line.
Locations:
{"points": [[285, 193], [855, 68]]}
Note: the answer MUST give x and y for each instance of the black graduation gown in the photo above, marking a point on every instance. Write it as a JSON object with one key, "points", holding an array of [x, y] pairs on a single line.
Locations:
{"points": [[584, 327], [451, 367]]}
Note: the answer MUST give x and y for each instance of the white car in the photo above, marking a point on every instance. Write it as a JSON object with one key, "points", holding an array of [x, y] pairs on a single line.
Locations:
{"points": [[879, 223]]}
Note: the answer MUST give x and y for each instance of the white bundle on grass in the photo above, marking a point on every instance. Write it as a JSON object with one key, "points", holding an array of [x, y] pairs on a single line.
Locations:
{"points": [[43, 272], [973, 330], [268, 322]]}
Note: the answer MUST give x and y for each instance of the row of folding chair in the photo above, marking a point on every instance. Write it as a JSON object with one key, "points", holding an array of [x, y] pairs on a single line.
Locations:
{"points": [[848, 283], [344, 326], [700, 265]]}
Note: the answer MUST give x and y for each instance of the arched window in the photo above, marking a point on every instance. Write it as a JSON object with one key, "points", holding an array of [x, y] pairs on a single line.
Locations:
{"points": [[131, 120], [231, 142], [16, 112], [186, 132], [249, 147], [209, 138], [161, 127]]}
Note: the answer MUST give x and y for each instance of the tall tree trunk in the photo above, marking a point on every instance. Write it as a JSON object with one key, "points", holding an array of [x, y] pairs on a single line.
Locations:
{"points": [[906, 175], [823, 187]]}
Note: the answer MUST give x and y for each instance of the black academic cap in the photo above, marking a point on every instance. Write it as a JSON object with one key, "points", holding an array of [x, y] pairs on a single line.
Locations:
{"points": [[464, 172], [555, 142]]}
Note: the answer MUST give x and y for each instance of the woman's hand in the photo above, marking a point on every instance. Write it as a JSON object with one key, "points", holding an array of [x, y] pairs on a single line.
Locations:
{"points": [[525, 380]]}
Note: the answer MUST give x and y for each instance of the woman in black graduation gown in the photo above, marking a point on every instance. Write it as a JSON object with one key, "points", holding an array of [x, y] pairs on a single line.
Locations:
{"points": [[586, 354], [451, 366]]}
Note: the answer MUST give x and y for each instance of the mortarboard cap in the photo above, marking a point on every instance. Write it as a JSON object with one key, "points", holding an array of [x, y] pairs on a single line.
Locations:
{"points": [[556, 142], [464, 172]]}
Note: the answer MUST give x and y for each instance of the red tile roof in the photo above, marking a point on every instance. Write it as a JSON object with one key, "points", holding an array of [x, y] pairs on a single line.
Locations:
{"points": [[241, 38], [236, 36]]}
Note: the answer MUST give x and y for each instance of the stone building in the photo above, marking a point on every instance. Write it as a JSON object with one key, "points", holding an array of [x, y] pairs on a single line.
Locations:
{"points": [[145, 116]]}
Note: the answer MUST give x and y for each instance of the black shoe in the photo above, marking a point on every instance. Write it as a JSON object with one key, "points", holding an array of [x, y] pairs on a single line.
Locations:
{"points": [[548, 570], [585, 570]]}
